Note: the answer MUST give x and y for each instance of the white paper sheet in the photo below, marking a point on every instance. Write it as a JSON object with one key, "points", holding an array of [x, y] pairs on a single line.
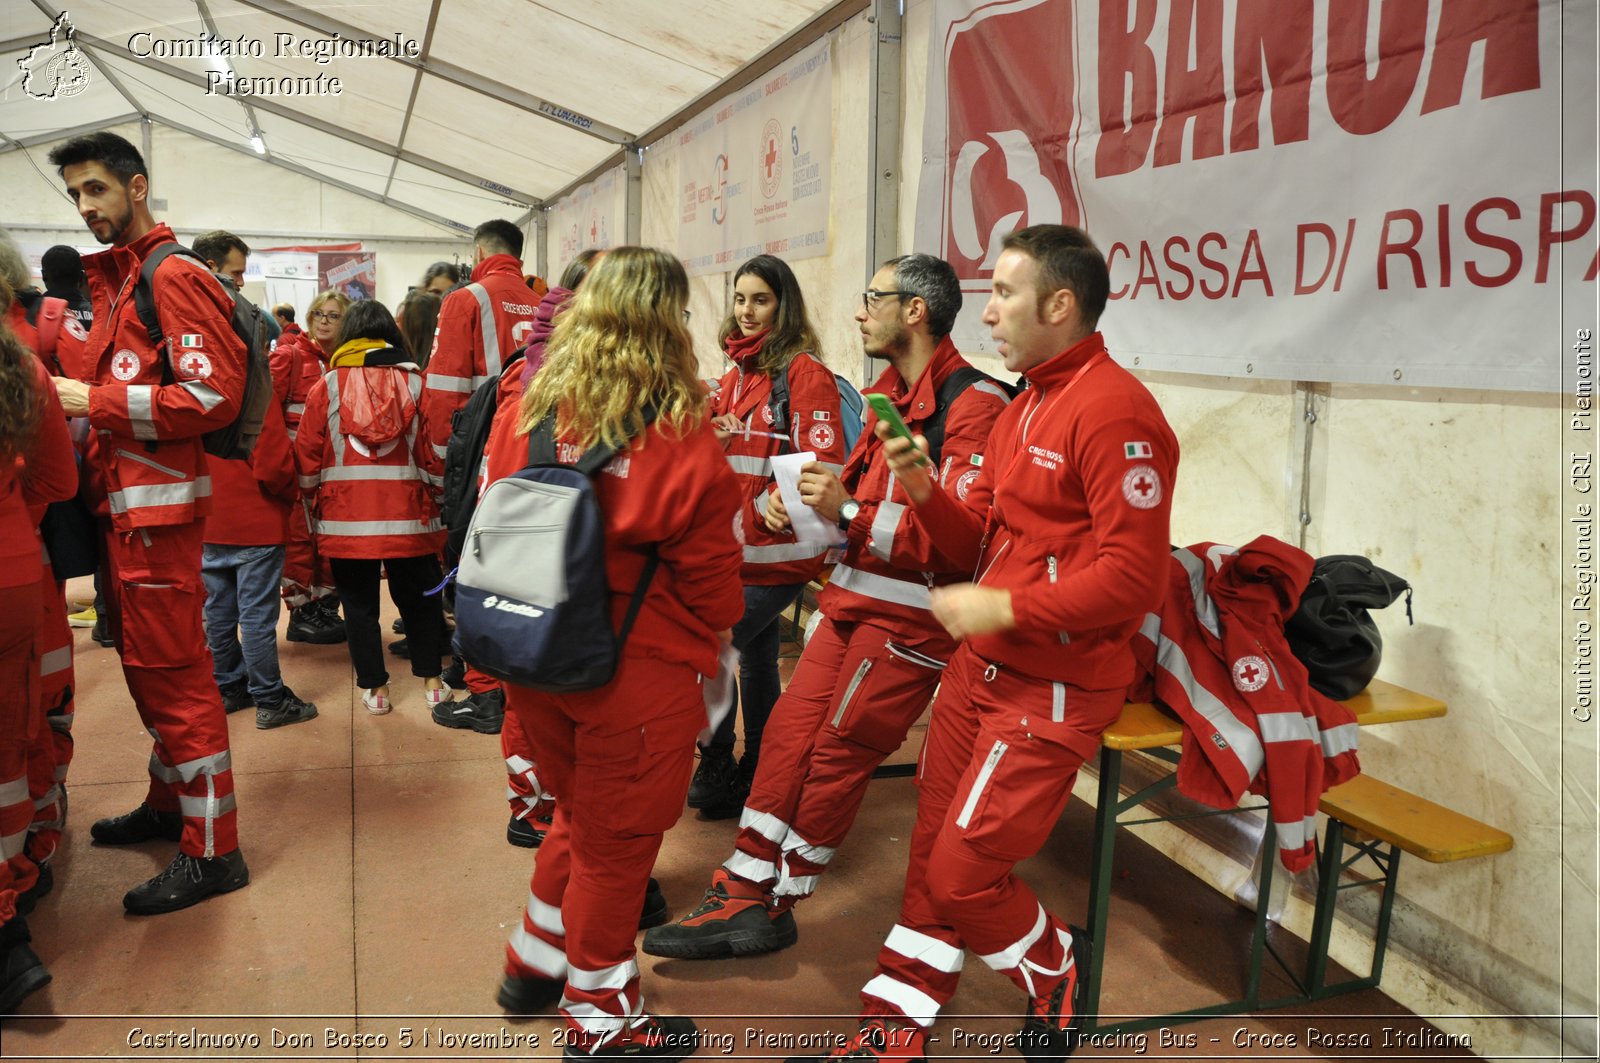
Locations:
{"points": [[809, 526]]}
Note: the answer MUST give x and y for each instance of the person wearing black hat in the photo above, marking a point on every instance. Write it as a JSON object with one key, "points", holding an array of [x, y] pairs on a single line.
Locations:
{"points": [[62, 270]]}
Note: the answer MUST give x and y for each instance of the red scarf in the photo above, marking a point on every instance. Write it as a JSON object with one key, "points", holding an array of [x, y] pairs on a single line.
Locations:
{"points": [[744, 350]]}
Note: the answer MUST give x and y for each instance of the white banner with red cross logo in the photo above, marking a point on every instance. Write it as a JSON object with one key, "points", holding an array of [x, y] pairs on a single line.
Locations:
{"points": [[754, 169], [1340, 190], [591, 215]]}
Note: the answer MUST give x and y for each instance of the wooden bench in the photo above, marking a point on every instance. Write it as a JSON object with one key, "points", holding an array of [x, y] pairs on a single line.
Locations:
{"points": [[1389, 821]]}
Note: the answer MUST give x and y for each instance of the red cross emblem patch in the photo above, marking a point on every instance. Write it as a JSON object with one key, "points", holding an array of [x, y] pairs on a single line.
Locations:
{"points": [[194, 366], [1141, 486], [1249, 673], [124, 365]]}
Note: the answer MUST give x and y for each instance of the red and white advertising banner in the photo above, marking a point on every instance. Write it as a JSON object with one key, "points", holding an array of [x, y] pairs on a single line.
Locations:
{"points": [[591, 215], [1338, 190], [754, 169]]}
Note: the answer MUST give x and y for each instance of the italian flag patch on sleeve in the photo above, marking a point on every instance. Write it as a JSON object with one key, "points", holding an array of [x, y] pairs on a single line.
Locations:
{"points": [[1135, 450], [190, 339]]}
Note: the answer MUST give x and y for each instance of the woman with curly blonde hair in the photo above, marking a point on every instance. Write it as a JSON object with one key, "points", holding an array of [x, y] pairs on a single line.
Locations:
{"points": [[618, 758]]}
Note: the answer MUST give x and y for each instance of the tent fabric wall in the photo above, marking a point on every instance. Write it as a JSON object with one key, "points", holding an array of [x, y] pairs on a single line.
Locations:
{"points": [[1458, 491]]}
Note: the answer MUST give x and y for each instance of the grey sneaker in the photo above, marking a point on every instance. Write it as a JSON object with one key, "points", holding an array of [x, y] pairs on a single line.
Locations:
{"points": [[287, 710]]}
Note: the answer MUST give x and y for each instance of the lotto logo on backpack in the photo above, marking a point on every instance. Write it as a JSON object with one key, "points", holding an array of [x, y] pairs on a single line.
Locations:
{"points": [[520, 608]]}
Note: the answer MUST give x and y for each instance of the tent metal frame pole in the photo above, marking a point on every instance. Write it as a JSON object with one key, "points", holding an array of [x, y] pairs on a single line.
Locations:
{"points": [[886, 21], [541, 245], [633, 164], [411, 101]]}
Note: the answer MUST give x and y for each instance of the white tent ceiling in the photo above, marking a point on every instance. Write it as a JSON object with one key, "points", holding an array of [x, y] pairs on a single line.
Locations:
{"points": [[506, 103]]}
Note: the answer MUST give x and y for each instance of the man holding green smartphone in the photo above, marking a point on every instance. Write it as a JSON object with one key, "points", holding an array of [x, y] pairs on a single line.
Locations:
{"points": [[876, 657], [1066, 527]]}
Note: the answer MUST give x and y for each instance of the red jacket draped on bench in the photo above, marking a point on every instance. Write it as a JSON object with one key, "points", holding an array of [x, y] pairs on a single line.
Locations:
{"points": [[1216, 656]]}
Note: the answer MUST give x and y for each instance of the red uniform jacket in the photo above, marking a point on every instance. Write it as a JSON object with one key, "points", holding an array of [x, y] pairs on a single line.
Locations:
{"points": [[1216, 656], [252, 496], [890, 564], [149, 430], [374, 494], [46, 472], [479, 326], [1069, 512], [297, 364], [677, 497], [775, 558]]}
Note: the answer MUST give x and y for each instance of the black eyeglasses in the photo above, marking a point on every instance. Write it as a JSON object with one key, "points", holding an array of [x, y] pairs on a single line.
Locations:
{"points": [[326, 315], [871, 297]]}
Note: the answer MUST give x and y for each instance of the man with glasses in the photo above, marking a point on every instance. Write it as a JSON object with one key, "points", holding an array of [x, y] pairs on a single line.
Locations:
{"points": [[869, 669]]}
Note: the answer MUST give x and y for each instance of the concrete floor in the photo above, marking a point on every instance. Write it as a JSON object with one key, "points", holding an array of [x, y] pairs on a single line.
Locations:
{"points": [[383, 890]]}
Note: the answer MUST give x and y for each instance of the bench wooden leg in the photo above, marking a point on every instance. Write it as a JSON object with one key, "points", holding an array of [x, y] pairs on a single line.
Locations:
{"points": [[1330, 872], [1105, 836]]}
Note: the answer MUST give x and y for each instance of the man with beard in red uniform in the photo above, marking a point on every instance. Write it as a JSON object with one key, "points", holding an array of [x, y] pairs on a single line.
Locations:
{"points": [[1067, 527], [148, 406]]}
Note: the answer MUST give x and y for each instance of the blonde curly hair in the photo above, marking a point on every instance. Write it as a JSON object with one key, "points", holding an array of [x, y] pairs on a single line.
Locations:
{"points": [[620, 345], [21, 405]]}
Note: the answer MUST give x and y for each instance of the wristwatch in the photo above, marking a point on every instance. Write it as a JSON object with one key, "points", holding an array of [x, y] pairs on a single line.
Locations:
{"points": [[847, 513]]}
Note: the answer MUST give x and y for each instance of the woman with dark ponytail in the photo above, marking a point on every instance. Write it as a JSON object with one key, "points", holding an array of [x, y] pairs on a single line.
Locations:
{"points": [[37, 467]]}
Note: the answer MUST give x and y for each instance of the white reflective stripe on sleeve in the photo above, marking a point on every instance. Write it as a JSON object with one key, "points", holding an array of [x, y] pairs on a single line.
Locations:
{"points": [[989, 387], [48, 798], [440, 452], [1296, 834], [765, 824], [370, 472], [747, 867], [1012, 954], [909, 1001], [750, 465], [296, 408], [377, 527], [546, 917], [1286, 727], [1058, 702], [538, 953], [208, 397], [311, 481], [141, 410], [781, 552], [915, 945], [491, 333], [883, 588], [1171, 659], [56, 661], [837, 470], [441, 382], [880, 540], [1342, 739], [1204, 608], [614, 978]]}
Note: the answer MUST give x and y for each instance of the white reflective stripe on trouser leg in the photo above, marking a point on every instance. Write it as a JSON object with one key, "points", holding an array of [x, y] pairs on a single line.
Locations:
{"points": [[190, 770], [1058, 702], [1011, 955], [742, 865], [57, 660], [765, 824], [538, 954], [908, 1000], [792, 885], [207, 808], [915, 945], [991, 762], [14, 792], [546, 917]]}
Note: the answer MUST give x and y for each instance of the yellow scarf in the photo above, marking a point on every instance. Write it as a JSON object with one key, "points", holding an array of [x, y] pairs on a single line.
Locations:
{"points": [[354, 352]]}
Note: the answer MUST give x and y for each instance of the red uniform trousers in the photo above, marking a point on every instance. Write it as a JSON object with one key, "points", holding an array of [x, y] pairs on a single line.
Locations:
{"points": [[19, 723], [1002, 752], [306, 576], [477, 682], [856, 691], [156, 600], [618, 760], [525, 793], [51, 750]]}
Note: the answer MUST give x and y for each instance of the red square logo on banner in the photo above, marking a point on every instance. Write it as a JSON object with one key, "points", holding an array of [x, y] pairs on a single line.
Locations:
{"points": [[1009, 124]]}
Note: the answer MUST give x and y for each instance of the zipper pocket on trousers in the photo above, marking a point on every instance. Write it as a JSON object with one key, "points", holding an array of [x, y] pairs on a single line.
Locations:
{"points": [[156, 465], [850, 691], [913, 657], [984, 774]]}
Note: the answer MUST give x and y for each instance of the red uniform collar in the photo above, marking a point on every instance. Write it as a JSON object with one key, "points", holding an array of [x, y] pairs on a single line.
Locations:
{"points": [[510, 265], [115, 263], [946, 359], [1064, 366]]}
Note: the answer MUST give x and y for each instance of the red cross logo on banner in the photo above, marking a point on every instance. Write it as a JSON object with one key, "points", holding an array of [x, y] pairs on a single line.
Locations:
{"points": [[124, 365], [772, 154], [1142, 487], [1249, 673]]}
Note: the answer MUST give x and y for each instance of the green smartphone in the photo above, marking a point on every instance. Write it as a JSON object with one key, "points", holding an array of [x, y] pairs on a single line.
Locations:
{"points": [[887, 413]]}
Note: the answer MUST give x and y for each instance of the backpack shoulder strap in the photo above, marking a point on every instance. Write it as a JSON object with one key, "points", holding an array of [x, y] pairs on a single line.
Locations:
{"points": [[50, 310], [144, 298], [542, 442], [778, 402], [954, 385]]}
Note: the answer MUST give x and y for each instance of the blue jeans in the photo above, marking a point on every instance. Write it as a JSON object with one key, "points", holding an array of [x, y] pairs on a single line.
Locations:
{"points": [[756, 637], [242, 603]]}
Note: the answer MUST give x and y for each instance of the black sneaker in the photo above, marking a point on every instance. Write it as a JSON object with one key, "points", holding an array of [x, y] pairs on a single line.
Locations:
{"points": [[878, 1039], [21, 971], [654, 910], [141, 825], [528, 834], [310, 624], [102, 630], [187, 880], [733, 797], [236, 696], [1053, 1026], [663, 1037], [399, 626], [455, 676], [288, 709], [714, 778], [401, 648], [529, 995], [28, 899], [484, 713]]}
